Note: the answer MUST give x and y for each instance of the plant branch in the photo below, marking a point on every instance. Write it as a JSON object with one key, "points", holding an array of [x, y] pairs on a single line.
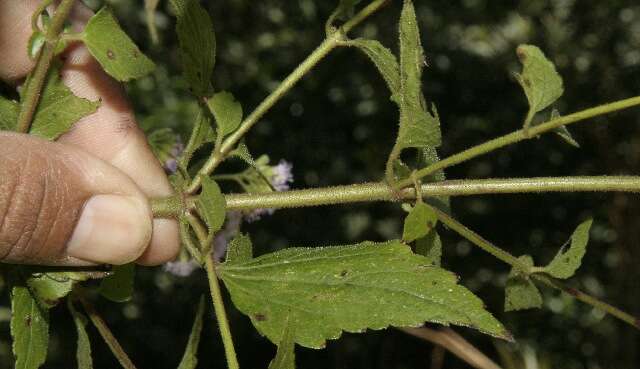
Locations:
{"points": [[35, 82], [330, 43], [521, 135], [106, 334]]}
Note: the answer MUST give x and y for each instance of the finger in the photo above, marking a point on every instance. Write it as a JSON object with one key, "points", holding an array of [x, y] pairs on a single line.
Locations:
{"points": [[15, 30], [62, 206]]}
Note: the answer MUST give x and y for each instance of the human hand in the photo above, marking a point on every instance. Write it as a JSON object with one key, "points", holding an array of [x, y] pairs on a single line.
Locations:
{"points": [[83, 199]]}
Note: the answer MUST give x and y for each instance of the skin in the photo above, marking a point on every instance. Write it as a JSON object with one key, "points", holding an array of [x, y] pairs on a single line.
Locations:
{"points": [[46, 187]]}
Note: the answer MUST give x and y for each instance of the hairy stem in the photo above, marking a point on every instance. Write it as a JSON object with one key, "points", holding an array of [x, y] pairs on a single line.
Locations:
{"points": [[106, 334], [521, 135], [330, 43], [35, 83]]}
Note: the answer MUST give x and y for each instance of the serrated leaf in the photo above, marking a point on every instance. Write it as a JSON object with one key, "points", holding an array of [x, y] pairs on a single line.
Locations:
{"points": [[29, 329], [211, 204], [58, 109], [163, 142], [83, 350], [520, 292], [385, 62], [240, 249], [9, 111], [566, 262], [286, 355], [113, 49], [346, 9], [190, 356], [118, 287], [327, 290], [563, 131], [419, 222], [539, 79], [227, 112], [49, 288], [430, 247], [197, 45], [242, 151]]}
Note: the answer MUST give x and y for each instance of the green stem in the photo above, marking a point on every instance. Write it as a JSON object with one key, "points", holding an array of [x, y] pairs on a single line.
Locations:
{"points": [[35, 84], [167, 207], [106, 334], [521, 135], [331, 42]]}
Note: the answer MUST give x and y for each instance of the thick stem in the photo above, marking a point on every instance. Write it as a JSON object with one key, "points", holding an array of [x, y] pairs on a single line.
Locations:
{"points": [[33, 89]]}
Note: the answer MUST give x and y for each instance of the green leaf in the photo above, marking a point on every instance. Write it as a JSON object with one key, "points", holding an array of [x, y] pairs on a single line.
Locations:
{"points": [[563, 131], [197, 44], [29, 329], [9, 111], [118, 287], [163, 142], [227, 112], [211, 204], [59, 108], [202, 134], [539, 79], [242, 151], [239, 249], [520, 292], [430, 247], [83, 351], [566, 262], [384, 60], [286, 355], [49, 288], [419, 222], [190, 356], [346, 9], [327, 290], [113, 49]]}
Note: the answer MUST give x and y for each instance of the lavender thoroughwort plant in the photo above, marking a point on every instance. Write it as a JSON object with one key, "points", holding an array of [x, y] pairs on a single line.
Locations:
{"points": [[301, 296]]}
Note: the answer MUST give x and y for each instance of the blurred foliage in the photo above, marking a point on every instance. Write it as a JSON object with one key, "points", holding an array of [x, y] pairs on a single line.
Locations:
{"points": [[338, 125]]}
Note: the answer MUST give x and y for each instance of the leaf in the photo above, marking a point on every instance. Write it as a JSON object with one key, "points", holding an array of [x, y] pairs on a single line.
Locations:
{"points": [[163, 142], [327, 290], [49, 288], [563, 131], [227, 111], [29, 329], [345, 9], [286, 355], [9, 110], [59, 108], [565, 263], [211, 204], [113, 49], [239, 249], [384, 60], [520, 292], [202, 134], [430, 247], [118, 287], [419, 222], [190, 356], [83, 351], [197, 45], [242, 151], [539, 79]]}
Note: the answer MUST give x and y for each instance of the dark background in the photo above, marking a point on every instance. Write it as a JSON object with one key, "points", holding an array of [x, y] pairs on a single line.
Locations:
{"points": [[337, 127]]}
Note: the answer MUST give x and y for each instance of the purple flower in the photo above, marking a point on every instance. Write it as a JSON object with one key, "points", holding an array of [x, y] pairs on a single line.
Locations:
{"points": [[181, 268], [280, 177], [229, 230], [171, 164]]}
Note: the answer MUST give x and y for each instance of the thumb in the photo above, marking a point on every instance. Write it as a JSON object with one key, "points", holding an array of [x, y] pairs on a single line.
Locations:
{"points": [[62, 206]]}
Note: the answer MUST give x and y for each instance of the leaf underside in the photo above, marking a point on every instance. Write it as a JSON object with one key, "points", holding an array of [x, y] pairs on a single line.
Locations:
{"points": [[566, 262], [29, 329]]}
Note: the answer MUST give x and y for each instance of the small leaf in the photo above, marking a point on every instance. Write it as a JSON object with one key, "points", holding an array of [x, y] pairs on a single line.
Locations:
{"points": [[286, 355], [36, 41], [211, 204], [59, 108], [327, 290], [520, 292], [118, 287], [113, 49], [49, 288], [227, 112], [419, 222], [29, 329], [197, 44], [9, 111], [242, 151], [202, 134], [83, 351], [539, 79], [190, 356], [384, 60], [563, 131], [346, 9], [430, 247], [565, 263], [240, 249]]}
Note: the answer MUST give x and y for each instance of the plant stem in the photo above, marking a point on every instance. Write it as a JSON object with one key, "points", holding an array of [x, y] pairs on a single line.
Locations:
{"points": [[35, 83], [331, 42], [106, 334], [521, 135]]}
